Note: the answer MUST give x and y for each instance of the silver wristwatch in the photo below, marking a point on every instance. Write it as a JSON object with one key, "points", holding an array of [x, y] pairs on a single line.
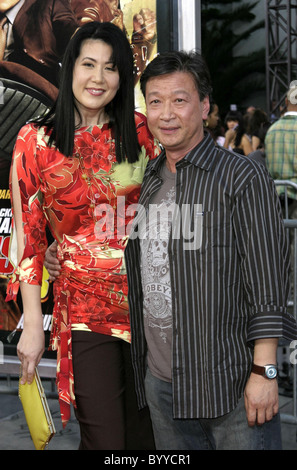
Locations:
{"points": [[269, 371]]}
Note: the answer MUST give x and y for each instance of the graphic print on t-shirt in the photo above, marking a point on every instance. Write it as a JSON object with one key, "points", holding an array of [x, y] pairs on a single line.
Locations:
{"points": [[156, 279], [157, 304]]}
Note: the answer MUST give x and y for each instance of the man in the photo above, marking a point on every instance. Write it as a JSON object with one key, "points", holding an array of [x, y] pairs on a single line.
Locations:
{"points": [[37, 33], [197, 332], [207, 265], [281, 149]]}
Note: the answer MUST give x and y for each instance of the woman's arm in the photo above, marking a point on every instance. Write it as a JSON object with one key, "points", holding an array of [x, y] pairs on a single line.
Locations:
{"points": [[246, 145], [31, 344]]}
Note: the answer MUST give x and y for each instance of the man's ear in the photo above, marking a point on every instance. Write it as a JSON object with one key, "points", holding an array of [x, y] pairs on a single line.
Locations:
{"points": [[205, 107]]}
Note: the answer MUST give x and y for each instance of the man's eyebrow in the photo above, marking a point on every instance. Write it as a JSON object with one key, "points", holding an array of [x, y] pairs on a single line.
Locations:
{"points": [[175, 92]]}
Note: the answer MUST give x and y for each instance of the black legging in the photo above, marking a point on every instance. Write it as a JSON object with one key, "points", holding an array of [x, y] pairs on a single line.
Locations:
{"points": [[106, 402]]}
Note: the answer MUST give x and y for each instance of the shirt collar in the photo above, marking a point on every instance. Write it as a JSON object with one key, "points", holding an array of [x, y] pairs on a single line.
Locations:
{"points": [[201, 155], [290, 113], [12, 13]]}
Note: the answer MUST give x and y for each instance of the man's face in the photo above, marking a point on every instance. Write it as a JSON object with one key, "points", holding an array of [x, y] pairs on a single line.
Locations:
{"points": [[175, 113], [7, 4]]}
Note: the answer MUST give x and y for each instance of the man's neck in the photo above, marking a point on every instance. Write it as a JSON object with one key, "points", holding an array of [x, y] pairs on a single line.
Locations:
{"points": [[176, 155]]}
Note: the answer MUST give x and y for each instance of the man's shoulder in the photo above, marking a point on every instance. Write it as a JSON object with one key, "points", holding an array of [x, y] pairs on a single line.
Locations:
{"points": [[285, 122], [231, 159], [241, 169]]}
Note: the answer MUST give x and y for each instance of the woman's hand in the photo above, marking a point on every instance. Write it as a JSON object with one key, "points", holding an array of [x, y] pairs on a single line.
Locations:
{"points": [[30, 348], [229, 137]]}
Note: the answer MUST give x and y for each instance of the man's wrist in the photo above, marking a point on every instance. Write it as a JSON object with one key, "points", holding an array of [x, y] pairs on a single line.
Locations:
{"points": [[269, 371]]}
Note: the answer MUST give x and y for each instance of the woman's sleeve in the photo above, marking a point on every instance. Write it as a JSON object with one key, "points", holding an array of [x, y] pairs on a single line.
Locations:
{"points": [[28, 241]]}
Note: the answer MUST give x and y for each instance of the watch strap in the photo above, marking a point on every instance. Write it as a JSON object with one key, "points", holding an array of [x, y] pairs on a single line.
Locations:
{"points": [[260, 370], [264, 370]]}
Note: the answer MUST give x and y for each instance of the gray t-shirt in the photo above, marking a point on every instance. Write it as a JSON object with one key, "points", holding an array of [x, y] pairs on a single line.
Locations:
{"points": [[154, 233]]}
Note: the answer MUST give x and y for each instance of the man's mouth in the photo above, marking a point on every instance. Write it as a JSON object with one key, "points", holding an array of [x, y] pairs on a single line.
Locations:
{"points": [[168, 130]]}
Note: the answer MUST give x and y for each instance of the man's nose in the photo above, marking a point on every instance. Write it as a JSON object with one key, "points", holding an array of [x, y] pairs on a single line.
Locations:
{"points": [[167, 111]]}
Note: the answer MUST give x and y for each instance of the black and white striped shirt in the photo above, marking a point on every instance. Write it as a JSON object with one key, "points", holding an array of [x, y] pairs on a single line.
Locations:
{"points": [[229, 291]]}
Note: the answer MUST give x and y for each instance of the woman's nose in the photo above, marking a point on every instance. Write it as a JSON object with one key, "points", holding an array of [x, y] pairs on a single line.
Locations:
{"points": [[98, 75]]}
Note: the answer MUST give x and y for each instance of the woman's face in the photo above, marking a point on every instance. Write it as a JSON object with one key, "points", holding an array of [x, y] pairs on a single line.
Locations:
{"points": [[232, 124], [95, 79]]}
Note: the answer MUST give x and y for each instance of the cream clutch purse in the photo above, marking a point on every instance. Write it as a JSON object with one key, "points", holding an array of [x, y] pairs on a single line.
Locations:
{"points": [[37, 412]]}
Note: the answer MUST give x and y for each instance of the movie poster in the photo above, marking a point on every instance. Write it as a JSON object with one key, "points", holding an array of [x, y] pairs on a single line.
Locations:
{"points": [[36, 34]]}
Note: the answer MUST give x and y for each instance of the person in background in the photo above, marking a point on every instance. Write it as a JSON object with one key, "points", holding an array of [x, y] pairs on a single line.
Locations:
{"points": [[87, 153], [281, 150], [213, 124], [259, 154], [236, 137], [37, 33], [255, 120]]}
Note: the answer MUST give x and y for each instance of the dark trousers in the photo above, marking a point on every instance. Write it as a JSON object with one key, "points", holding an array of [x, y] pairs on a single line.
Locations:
{"points": [[107, 410]]}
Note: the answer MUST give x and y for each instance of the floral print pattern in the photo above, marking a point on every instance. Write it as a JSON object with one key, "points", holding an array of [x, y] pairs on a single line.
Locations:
{"points": [[74, 196]]}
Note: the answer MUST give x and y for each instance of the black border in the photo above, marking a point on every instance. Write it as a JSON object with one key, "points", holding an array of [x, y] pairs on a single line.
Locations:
{"points": [[167, 25]]}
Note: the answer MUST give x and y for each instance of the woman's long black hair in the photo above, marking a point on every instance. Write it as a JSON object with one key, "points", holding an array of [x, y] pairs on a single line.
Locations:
{"points": [[60, 120], [240, 129]]}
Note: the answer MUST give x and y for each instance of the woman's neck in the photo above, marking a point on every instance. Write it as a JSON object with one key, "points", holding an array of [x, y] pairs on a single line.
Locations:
{"points": [[89, 119]]}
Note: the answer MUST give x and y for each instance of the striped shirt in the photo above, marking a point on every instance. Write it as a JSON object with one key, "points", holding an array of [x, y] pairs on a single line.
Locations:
{"points": [[228, 291], [281, 151]]}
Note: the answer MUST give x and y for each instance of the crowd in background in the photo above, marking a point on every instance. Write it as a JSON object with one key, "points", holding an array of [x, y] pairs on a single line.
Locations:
{"points": [[241, 132], [268, 139]]}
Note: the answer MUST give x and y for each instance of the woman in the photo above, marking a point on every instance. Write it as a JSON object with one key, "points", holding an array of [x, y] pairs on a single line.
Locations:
{"points": [[257, 119], [212, 124], [236, 138], [78, 170]]}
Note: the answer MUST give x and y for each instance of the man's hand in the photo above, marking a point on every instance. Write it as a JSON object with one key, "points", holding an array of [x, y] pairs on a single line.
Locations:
{"points": [[51, 261], [261, 399]]}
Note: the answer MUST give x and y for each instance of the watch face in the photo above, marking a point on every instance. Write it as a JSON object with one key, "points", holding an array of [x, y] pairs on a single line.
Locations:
{"points": [[271, 372]]}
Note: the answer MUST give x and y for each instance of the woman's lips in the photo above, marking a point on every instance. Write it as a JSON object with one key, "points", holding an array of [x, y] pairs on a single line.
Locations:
{"points": [[95, 91]]}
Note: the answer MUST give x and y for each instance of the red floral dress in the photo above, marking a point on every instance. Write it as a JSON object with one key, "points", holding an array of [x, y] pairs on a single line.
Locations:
{"points": [[88, 202]]}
